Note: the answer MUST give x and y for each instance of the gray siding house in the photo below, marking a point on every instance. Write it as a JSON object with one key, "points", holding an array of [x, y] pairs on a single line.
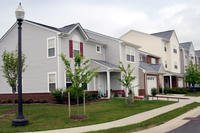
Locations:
{"points": [[43, 45]]}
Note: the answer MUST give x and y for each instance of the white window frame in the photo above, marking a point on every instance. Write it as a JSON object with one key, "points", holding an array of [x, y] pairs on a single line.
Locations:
{"points": [[99, 49], [48, 79], [129, 53], [49, 38], [74, 43]]}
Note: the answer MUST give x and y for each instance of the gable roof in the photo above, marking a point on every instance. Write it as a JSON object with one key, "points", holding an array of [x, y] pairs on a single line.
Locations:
{"points": [[43, 25], [66, 29], [150, 68], [103, 39], [164, 34], [186, 45]]}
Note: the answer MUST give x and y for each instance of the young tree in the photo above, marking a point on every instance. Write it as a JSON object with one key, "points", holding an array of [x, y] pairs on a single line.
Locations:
{"points": [[79, 73], [9, 68], [127, 79], [192, 74]]}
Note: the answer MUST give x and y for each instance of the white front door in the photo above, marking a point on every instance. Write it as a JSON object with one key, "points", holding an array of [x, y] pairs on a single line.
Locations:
{"points": [[101, 84], [151, 83]]}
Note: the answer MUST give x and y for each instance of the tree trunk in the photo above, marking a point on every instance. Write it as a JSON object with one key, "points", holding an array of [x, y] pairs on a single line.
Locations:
{"points": [[77, 100]]}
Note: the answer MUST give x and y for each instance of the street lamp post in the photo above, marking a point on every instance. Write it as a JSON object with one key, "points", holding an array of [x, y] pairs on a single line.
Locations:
{"points": [[20, 120]]}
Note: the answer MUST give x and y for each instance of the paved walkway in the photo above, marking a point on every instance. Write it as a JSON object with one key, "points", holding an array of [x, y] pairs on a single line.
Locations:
{"points": [[125, 121], [174, 123]]}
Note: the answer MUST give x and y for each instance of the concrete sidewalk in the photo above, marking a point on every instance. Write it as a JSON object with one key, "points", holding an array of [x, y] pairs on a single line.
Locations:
{"points": [[123, 122], [173, 124]]}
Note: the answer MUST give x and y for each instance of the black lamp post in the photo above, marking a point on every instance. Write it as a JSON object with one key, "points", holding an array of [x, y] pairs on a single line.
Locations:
{"points": [[20, 120]]}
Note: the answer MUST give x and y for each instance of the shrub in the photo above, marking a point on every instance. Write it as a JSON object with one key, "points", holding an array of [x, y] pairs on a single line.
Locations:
{"points": [[91, 95], [59, 95], [9, 101], [28, 101], [153, 92], [176, 90]]}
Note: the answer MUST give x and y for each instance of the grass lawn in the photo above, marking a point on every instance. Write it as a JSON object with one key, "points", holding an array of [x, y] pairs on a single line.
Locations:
{"points": [[155, 121], [195, 94], [53, 116]]}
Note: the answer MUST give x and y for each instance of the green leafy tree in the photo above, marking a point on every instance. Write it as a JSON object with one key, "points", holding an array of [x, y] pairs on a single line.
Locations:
{"points": [[79, 73], [9, 67], [127, 79], [192, 74]]}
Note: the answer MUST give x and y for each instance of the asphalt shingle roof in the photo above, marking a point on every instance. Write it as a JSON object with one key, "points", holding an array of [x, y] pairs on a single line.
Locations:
{"points": [[186, 45], [100, 37], [43, 25], [165, 34], [65, 29], [107, 64], [153, 68]]}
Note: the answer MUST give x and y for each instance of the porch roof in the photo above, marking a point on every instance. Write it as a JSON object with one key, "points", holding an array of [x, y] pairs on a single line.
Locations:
{"points": [[151, 68], [168, 73], [105, 66]]}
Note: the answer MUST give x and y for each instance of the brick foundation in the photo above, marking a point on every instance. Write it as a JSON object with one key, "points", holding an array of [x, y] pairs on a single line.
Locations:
{"points": [[35, 97]]}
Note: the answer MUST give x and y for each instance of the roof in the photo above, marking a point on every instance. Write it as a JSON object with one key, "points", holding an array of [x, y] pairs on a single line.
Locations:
{"points": [[164, 34], [197, 53], [150, 68], [186, 45], [106, 64], [43, 25], [100, 37], [67, 28]]}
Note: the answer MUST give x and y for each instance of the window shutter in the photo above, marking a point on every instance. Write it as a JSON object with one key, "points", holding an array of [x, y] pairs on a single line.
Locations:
{"points": [[70, 48], [81, 48]]}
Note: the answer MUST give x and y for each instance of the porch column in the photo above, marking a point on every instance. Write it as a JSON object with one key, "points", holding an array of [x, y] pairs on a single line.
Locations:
{"points": [[170, 81], [108, 83], [94, 84]]}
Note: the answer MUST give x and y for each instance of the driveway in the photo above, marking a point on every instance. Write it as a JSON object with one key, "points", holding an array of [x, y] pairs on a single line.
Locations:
{"points": [[192, 126]]}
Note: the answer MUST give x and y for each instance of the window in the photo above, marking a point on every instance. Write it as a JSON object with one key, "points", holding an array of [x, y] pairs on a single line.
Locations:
{"points": [[129, 54], [98, 48], [175, 65], [76, 48], [175, 50], [52, 81], [51, 47], [153, 61], [142, 58], [165, 49], [68, 82], [165, 64]]}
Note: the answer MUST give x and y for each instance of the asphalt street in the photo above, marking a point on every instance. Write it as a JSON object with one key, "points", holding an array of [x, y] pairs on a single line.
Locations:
{"points": [[193, 126]]}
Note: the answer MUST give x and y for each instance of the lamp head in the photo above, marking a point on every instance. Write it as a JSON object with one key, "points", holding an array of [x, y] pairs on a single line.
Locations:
{"points": [[19, 12]]}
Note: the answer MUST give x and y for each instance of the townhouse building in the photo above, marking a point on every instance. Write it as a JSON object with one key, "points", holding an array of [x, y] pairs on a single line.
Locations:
{"points": [[187, 55], [165, 46], [43, 44], [197, 57]]}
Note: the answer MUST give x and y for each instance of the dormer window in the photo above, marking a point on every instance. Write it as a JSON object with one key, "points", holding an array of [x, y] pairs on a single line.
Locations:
{"points": [[98, 48]]}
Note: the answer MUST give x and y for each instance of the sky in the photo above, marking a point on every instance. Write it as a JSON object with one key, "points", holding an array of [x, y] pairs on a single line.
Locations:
{"points": [[111, 17]]}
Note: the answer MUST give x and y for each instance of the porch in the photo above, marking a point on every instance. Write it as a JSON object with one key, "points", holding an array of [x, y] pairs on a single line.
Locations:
{"points": [[173, 80], [106, 79]]}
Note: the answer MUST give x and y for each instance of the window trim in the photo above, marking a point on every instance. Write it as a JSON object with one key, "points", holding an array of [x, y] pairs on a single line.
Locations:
{"points": [[99, 49], [126, 53], [48, 79], [49, 38], [78, 49]]}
